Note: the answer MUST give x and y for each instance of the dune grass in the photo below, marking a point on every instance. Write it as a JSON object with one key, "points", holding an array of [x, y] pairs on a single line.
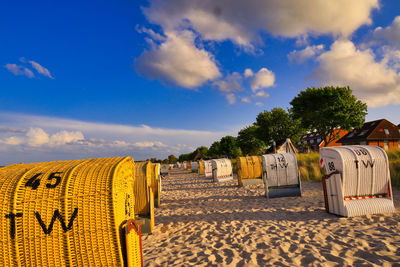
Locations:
{"points": [[311, 171], [309, 167]]}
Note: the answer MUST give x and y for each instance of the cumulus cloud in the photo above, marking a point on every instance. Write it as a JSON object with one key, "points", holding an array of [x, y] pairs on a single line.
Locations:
{"points": [[231, 83], [177, 60], [390, 34], [231, 98], [300, 56], [19, 70], [264, 78], [372, 81], [261, 94], [248, 73], [65, 137], [40, 69], [246, 99], [219, 20], [36, 138]]}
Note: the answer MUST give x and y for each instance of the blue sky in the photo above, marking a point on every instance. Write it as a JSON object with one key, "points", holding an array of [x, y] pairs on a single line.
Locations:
{"points": [[85, 79]]}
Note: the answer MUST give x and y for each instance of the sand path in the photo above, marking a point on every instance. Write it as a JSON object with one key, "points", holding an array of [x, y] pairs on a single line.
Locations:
{"points": [[202, 223]]}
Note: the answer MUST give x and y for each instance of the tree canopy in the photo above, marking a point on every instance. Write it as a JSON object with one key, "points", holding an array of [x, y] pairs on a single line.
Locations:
{"points": [[229, 147], [248, 142], [277, 125], [328, 108]]}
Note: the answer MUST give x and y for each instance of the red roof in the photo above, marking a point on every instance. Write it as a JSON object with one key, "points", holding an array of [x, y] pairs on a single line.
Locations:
{"points": [[373, 130]]}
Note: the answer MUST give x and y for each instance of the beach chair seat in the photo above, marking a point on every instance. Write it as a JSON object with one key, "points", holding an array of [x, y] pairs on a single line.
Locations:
{"points": [[69, 213], [144, 196], [222, 170], [281, 175], [249, 170], [208, 168], [357, 181], [194, 166]]}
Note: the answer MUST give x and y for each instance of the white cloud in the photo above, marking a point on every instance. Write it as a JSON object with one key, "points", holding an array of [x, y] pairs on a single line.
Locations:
{"points": [[259, 104], [219, 20], [13, 140], [391, 33], [300, 56], [248, 73], [154, 36], [261, 94], [246, 99], [65, 137], [36, 138], [231, 99], [40, 69], [19, 70], [177, 60], [231, 83], [372, 81], [264, 78]]}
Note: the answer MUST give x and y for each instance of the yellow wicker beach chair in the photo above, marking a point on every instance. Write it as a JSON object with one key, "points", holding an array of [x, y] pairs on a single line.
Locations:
{"points": [[144, 196], [188, 166], [249, 170], [201, 167], [69, 213], [156, 183]]}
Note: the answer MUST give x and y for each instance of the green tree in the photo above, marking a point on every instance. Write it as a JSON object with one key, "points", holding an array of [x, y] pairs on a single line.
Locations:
{"points": [[229, 147], [248, 141], [277, 125], [214, 150], [325, 109], [184, 157], [172, 159], [202, 151]]}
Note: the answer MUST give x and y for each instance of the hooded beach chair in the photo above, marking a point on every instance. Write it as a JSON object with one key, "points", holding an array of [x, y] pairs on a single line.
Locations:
{"points": [[222, 170], [357, 181], [249, 170], [281, 175], [69, 213]]}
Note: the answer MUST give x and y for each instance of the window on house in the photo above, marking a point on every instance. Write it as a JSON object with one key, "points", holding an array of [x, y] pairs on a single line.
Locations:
{"points": [[363, 143], [386, 131]]}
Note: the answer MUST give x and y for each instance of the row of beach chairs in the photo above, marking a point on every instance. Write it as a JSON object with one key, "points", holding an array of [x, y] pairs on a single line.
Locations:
{"points": [[77, 213], [357, 181]]}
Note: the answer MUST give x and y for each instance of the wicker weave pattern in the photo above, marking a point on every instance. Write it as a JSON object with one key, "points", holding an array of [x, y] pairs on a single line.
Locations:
{"points": [[71, 212], [201, 167], [155, 183], [144, 195], [249, 167]]}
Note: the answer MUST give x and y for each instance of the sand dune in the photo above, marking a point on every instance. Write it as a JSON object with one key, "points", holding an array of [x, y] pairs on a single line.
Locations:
{"points": [[202, 223]]}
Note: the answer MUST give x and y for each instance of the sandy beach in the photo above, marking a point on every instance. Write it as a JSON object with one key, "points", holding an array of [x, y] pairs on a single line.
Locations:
{"points": [[202, 223]]}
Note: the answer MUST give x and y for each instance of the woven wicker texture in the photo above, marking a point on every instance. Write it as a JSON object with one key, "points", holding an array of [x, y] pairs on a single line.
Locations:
{"points": [[133, 239], [188, 166], [66, 212], [361, 171], [155, 183], [144, 196], [249, 167], [201, 167]]}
